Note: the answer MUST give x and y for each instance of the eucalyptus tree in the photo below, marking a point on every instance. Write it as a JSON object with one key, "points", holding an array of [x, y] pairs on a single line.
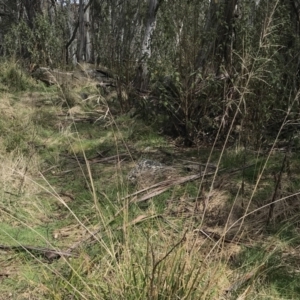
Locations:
{"points": [[142, 76]]}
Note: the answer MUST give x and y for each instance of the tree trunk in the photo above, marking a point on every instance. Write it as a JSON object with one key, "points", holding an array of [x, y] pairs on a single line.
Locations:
{"points": [[87, 45], [84, 41], [216, 46], [142, 76], [81, 39]]}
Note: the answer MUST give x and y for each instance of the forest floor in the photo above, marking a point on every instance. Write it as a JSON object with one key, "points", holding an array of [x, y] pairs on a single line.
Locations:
{"points": [[74, 227]]}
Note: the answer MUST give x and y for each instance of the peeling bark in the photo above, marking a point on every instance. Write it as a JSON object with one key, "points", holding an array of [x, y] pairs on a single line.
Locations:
{"points": [[142, 76]]}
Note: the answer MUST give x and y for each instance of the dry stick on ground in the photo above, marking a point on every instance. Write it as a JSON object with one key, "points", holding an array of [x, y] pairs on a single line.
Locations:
{"points": [[96, 159], [163, 186], [167, 184], [214, 236], [50, 254]]}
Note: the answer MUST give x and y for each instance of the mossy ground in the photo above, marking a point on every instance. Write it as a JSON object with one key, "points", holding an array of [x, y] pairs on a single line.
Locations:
{"points": [[63, 176]]}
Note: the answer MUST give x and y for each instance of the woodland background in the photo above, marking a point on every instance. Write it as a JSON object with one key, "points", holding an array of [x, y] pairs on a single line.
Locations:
{"points": [[206, 90], [202, 66]]}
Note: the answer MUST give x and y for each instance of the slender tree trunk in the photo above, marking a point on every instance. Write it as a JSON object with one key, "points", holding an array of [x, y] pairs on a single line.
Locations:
{"points": [[84, 41], [71, 45], [87, 42], [216, 46], [142, 76], [81, 39]]}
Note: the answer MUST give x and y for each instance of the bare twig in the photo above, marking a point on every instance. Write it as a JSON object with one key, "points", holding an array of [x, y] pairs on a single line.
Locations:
{"points": [[49, 254]]}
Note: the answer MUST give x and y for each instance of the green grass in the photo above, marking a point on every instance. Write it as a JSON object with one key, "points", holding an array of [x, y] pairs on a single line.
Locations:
{"points": [[276, 275], [53, 194]]}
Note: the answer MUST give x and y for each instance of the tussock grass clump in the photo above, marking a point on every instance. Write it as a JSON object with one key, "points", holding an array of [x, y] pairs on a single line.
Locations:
{"points": [[69, 98], [14, 78]]}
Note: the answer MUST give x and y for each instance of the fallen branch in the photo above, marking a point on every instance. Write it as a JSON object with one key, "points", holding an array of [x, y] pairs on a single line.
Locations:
{"points": [[164, 186], [214, 236], [49, 254], [96, 159]]}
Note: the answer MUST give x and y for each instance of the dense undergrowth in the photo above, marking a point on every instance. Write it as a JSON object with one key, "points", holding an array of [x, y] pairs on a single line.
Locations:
{"points": [[231, 233]]}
